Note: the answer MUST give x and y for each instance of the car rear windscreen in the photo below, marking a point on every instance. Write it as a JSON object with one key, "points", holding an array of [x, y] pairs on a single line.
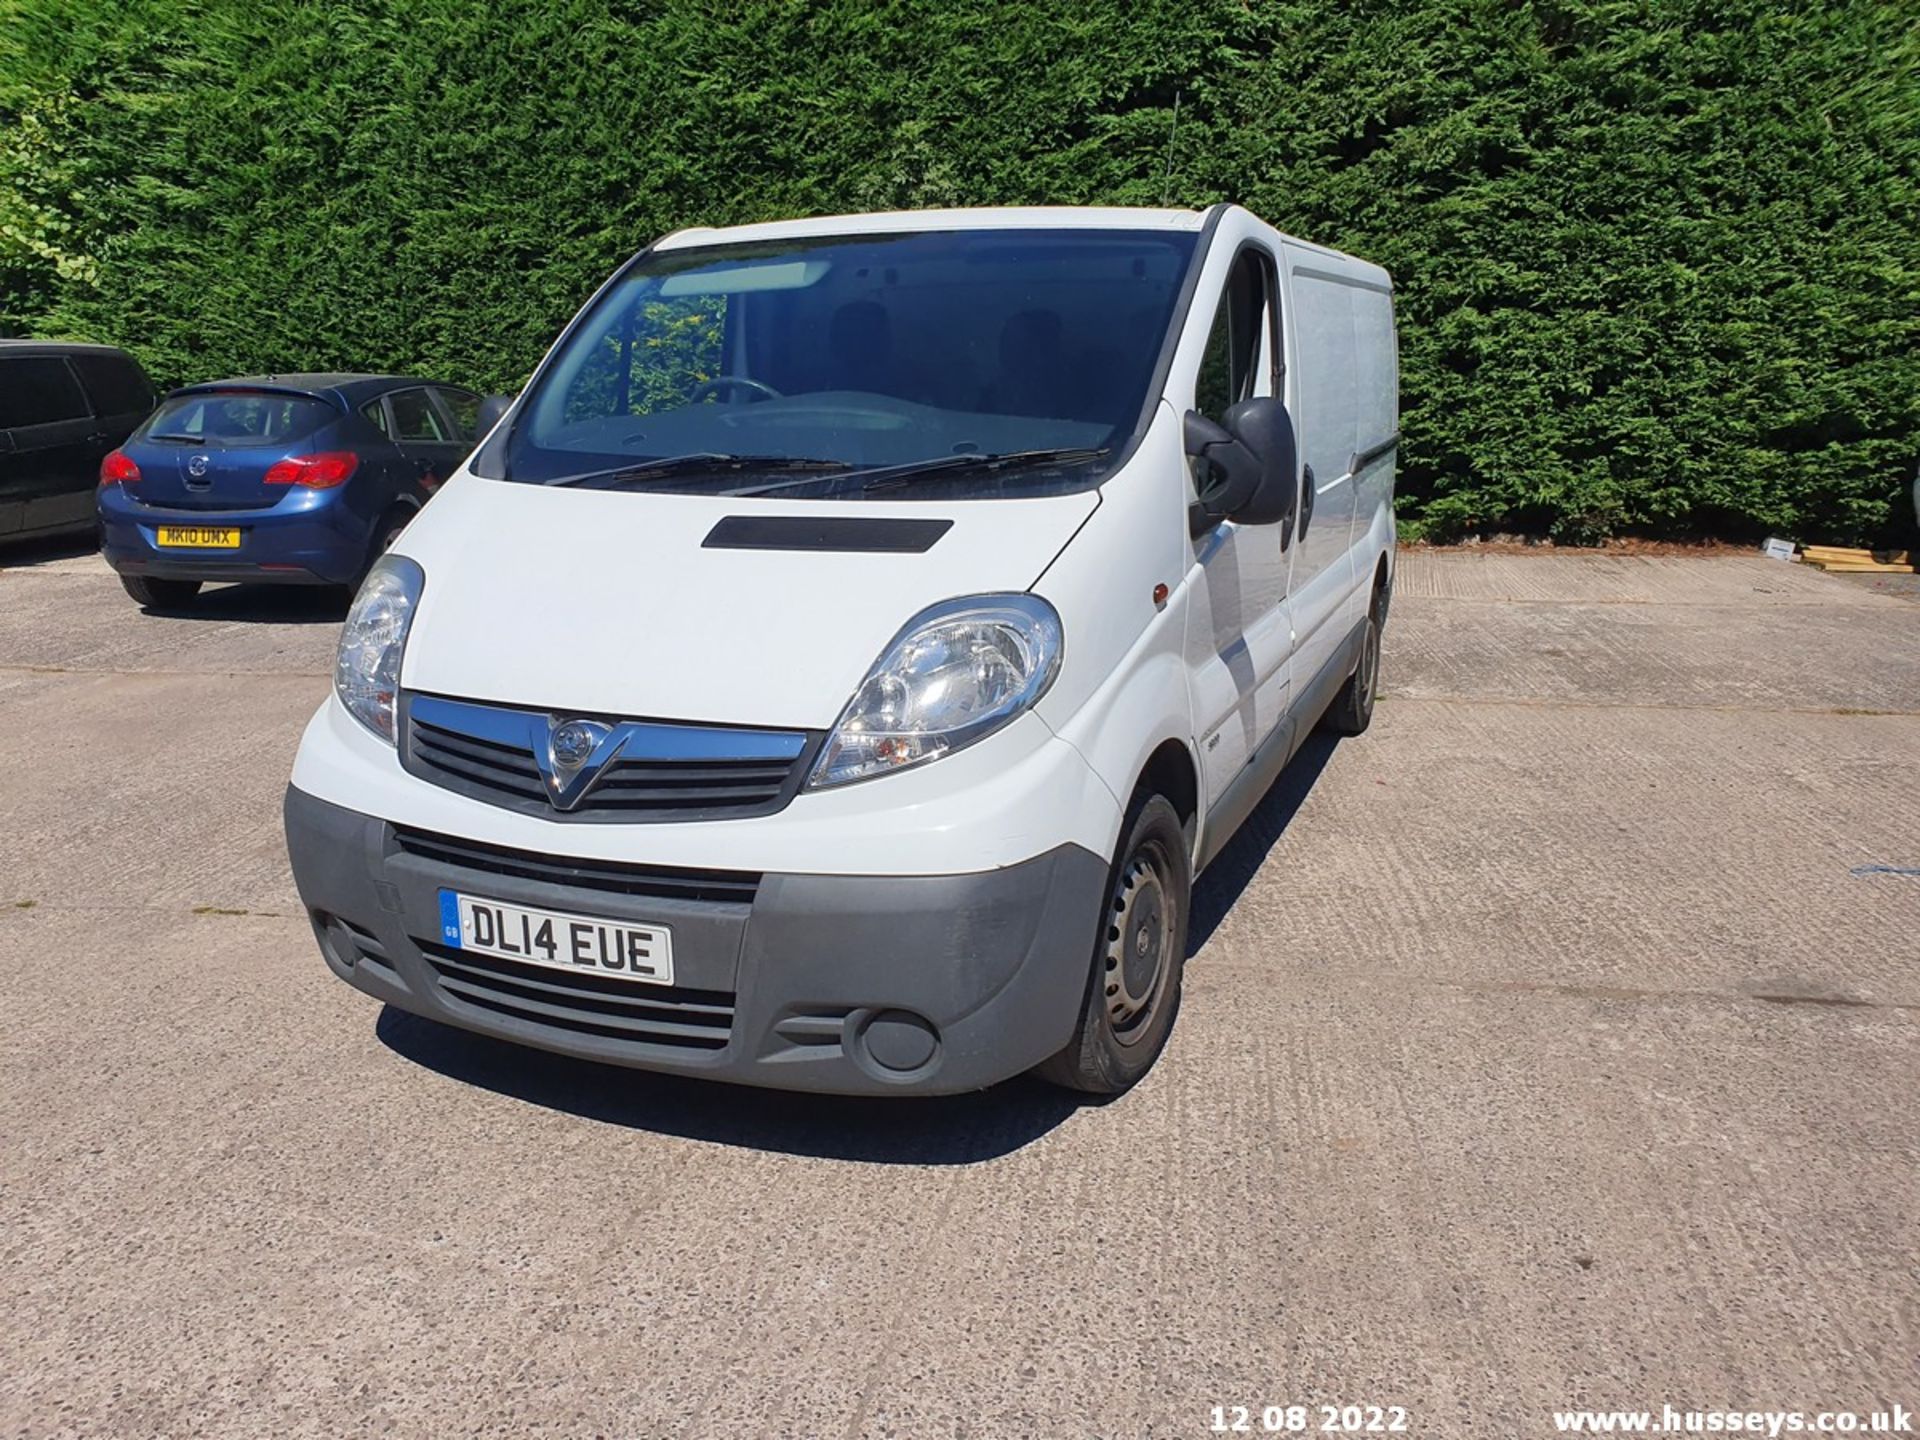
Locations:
{"points": [[238, 418]]}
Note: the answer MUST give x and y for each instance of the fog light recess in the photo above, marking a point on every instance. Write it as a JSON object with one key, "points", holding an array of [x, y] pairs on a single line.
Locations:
{"points": [[899, 1041]]}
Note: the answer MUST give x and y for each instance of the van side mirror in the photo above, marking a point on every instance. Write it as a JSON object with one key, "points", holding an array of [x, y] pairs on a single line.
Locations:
{"points": [[1252, 462], [491, 409]]}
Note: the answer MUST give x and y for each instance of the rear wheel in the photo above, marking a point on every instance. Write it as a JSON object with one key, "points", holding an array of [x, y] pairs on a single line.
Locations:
{"points": [[1139, 956], [1352, 710], [158, 594], [385, 533]]}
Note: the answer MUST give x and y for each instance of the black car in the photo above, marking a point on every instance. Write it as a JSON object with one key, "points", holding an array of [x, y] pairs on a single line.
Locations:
{"points": [[294, 479], [63, 408]]}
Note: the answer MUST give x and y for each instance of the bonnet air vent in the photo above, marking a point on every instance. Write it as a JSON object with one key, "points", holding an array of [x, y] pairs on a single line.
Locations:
{"points": [[846, 534]]}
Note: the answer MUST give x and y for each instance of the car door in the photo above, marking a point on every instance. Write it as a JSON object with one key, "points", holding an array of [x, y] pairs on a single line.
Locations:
{"points": [[424, 434], [53, 465], [1325, 402], [462, 411], [12, 465], [121, 396], [1239, 634]]}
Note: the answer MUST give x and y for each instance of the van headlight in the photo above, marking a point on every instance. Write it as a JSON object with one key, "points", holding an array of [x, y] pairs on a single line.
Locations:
{"points": [[958, 672], [366, 672]]}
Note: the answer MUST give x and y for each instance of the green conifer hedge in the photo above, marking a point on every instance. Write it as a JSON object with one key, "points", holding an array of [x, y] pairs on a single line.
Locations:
{"points": [[1658, 263]]}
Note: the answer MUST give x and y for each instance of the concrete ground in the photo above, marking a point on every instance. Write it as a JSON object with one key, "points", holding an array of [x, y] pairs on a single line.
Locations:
{"points": [[1905, 586], [1555, 1044]]}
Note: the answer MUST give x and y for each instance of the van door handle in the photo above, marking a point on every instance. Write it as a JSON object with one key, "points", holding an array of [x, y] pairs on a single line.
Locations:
{"points": [[1306, 499]]}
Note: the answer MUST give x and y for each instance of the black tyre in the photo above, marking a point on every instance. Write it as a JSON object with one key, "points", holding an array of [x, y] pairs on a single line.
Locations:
{"points": [[1139, 956], [1352, 709], [158, 594]]}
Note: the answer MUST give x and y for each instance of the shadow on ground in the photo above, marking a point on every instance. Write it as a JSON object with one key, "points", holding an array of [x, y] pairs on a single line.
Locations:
{"points": [[1227, 878], [264, 604], [944, 1130], [43, 550]]}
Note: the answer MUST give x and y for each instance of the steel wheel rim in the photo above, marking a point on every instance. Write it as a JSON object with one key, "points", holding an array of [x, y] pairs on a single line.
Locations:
{"points": [[1369, 663], [1137, 953]]}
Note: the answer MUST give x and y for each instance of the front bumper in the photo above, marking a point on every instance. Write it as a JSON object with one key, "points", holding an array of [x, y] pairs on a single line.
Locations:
{"points": [[308, 539], [848, 984]]}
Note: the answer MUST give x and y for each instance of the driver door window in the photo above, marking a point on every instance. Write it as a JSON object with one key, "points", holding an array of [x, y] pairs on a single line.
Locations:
{"points": [[1242, 358]]}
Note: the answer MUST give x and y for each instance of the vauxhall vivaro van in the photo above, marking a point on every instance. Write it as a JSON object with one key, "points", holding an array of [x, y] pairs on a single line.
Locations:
{"points": [[833, 668]]}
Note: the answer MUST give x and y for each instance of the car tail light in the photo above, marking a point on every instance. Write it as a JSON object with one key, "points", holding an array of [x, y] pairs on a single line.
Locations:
{"points": [[321, 471], [118, 469]]}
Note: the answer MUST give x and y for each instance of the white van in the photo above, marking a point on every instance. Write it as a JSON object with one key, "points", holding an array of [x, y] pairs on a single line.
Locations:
{"points": [[834, 667]]}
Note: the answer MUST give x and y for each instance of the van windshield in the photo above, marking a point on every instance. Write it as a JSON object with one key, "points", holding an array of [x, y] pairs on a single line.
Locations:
{"points": [[963, 364]]}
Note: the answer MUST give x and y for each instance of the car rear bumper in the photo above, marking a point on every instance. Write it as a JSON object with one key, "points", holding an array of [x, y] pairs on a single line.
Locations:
{"points": [[310, 544], [841, 983]]}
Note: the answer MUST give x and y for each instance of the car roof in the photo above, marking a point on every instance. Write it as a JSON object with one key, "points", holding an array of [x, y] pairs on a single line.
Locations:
{"points": [[350, 388], [1012, 217], [58, 347]]}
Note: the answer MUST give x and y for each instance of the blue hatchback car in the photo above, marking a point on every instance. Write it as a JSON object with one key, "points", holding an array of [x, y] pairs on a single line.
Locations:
{"points": [[294, 479]]}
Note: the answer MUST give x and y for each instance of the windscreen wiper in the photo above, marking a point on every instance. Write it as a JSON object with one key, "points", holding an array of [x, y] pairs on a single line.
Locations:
{"points": [[700, 462], [892, 477]]}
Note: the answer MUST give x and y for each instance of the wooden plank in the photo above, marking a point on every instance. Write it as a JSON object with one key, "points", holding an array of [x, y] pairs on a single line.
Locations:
{"points": [[1864, 567], [1820, 553]]}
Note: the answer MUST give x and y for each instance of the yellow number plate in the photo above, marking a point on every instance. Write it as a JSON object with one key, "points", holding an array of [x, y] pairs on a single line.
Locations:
{"points": [[198, 537]]}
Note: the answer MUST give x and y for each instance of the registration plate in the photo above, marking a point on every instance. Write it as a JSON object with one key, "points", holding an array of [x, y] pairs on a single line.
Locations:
{"points": [[199, 537], [556, 940]]}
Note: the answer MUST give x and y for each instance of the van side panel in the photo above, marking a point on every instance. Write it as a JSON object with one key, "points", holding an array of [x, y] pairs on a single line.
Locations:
{"points": [[1347, 411], [1378, 353]]}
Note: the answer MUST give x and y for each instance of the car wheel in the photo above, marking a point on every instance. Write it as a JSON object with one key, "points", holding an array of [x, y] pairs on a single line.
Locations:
{"points": [[384, 535], [157, 594], [1352, 709], [1139, 956]]}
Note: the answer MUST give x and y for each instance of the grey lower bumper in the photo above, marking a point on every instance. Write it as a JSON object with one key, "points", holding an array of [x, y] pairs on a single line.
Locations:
{"points": [[848, 984]]}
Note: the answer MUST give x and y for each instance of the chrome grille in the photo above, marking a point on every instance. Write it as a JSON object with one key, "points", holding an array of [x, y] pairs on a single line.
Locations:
{"points": [[658, 771]]}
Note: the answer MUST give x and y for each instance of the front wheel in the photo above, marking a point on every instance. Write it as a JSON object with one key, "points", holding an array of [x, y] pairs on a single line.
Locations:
{"points": [[157, 594], [1139, 956], [1352, 709]]}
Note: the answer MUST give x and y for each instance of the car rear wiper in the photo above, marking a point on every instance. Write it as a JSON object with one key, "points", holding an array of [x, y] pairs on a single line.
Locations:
{"points": [[891, 477], [700, 462]]}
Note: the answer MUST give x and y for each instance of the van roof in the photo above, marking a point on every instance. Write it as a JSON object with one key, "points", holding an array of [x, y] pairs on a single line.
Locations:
{"points": [[1023, 217]]}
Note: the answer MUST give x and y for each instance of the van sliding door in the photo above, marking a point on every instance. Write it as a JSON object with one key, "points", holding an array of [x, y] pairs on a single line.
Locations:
{"points": [[1326, 404]]}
